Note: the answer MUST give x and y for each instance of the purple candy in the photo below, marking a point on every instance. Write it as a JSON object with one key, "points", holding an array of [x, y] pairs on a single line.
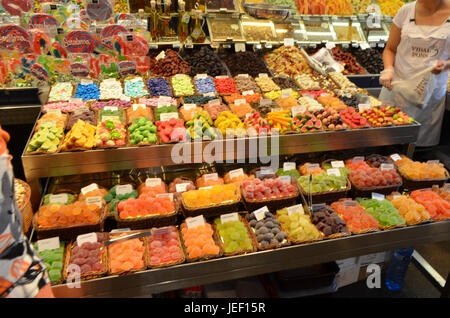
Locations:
{"points": [[158, 87], [115, 102]]}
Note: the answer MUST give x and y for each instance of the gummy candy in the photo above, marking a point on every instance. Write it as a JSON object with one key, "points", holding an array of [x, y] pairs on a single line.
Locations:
{"points": [[132, 207], [267, 189], [423, 170], [165, 247], [408, 209], [298, 226], [234, 235], [383, 211], [354, 215], [89, 256], [435, 205], [268, 230], [126, 256], [216, 195], [61, 215], [199, 240]]}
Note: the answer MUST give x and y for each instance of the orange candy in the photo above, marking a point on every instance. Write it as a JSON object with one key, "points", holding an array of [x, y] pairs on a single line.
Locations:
{"points": [[355, 216], [409, 209], [60, 120], [305, 171], [362, 165], [238, 180], [422, 170], [332, 102], [143, 207], [139, 112], [435, 205], [94, 193], [127, 255], [146, 192], [443, 192], [60, 215], [202, 182], [199, 240], [241, 110]]}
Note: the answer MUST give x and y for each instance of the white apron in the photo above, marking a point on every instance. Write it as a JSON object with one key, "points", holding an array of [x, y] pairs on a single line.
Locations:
{"points": [[419, 47]]}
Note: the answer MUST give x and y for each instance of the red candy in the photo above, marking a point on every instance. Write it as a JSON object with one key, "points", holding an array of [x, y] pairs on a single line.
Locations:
{"points": [[374, 177], [353, 119], [172, 130], [316, 94], [225, 85], [269, 188], [164, 246]]}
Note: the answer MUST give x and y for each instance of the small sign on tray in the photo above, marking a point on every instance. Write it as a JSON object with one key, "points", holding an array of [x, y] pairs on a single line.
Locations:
{"points": [[124, 189], [295, 209], [168, 116], [335, 172], [338, 164], [286, 179], [386, 166], [125, 229], [378, 196], [169, 195], [181, 187], [288, 166], [153, 182], [261, 213], [94, 200], [229, 217], [211, 176], [89, 188], [61, 198], [236, 173], [48, 244], [248, 93], [396, 157], [195, 221], [86, 238]]}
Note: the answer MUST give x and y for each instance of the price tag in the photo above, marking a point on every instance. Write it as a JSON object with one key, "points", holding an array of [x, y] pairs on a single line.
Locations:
{"points": [[176, 45], [180, 75], [288, 166], [202, 75], [364, 46], [47, 122], [54, 111], [61, 198], [363, 107], [373, 45], [94, 200], [48, 244], [396, 157], [286, 179], [166, 99], [298, 110], [229, 217], [288, 42], [209, 94], [338, 164], [243, 75], [195, 221], [248, 93], [312, 166], [266, 171], [181, 187], [236, 173], [86, 81], [86, 238], [210, 176], [334, 172], [330, 45], [357, 159], [125, 98], [169, 195], [111, 118], [387, 166], [168, 116], [221, 77], [377, 196], [205, 188], [80, 110], [239, 47], [153, 182], [160, 56], [381, 44], [124, 189], [189, 106], [433, 162], [89, 188], [345, 45], [260, 213], [355, 45], [136, 106], [396, 196], [189, 45], [265, 102], [240, 101], [125, 229], [350, 203], [263, 75], [111, 108], [214, 102], [295, 209]]}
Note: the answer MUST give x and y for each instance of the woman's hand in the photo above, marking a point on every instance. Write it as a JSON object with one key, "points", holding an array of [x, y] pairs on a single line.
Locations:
{"points": [[440, 66], [386, 78]]}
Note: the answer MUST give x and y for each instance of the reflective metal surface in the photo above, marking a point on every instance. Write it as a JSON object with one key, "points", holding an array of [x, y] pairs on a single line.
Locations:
{"points": [[228, 268]]}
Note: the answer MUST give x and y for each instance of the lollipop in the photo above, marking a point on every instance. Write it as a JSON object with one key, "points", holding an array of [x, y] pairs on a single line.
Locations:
{"points": [[17, 7], [84, 16], [108, 33], [57, 50], [80, 42], [126, 68], [27, 62], [41, 41], [15, 37], [100, 11], [131, 44], [79, 69], [74, 23], [123, 16], [42, 19], [38, 71]]}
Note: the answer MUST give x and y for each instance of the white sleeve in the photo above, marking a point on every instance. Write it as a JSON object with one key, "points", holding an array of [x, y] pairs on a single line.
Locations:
{"points": [[402, 15]]}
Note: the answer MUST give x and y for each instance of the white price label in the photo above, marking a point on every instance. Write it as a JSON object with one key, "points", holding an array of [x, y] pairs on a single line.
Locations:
{"points": [[298, 110], [261, 213], [263, 75], [214, 102], [205, 188], [377, 196], [124, 189], [221, 77], [160, 56], [288, 166], [330, 45], [169, 195], [286, 179], [195, 221], [387, 166], [350, 203], [396, 157], [312, 166], [396, 196], [61, 198], [337, 164], [181, 187], [180, 75], [168, 116], [288, 42], [167, 99], [240, 101], [295, 209], [202, 75], [236, 173], [357, 159], [210, 176], [111, 108], [239, 47], [86, 238], [189, 106], [363, 107], [54, 111], [433, 162], [95, 200], [243, 75], [266, 171], [163, 103], [86, 82], [161, 231], [136, 106], [153, 182], [248, 93], [111, 118], [125, 98], [89, 188], [125, 229], [48, 244], [364, 46], [334, 172], [209, 94], [229, 217]]}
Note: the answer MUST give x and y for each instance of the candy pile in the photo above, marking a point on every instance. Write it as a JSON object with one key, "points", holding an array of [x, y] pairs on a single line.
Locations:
{"points": [[64, 107], [188, 111], [331, 101], [198, 100], [330, 119], [310, 169], [287, 60], [168, 65], [53, 261], [383, 211], [310, 104], [208, 179], [327, 221], [355, 216], [214, 110], [256, 124], [110, 133], [135, 87], [201, 126], [110, 88], [199, 240], [216, 195], [138, 111], [151, 188], [249, 98], [307, 122], [286, 102], [165, 110], [266, 84], [236, 176], [204, 61], [297, 224], [182, 85], [435, 205], [84, 114], [323, 182], [443, 192], [158, 86], [126, 256], [229, 123], [241, 109], [285, 82], [57, 118], [267, 189], [386, 115], [352, 118], [61, 91], [409, 209], [119, 193], [422, 170], [375, 160], [205, 85], [267, 230], [171, 130], [305, 82], [225, 85], [351, 66], [281, 120], [179, 185], [61, 215], [81, 135], [164, 246], [245, 83], [47, 138], [87, 92], [374, 177], [112, 103], [89, 256], [234, 235], [133, 208], [245, 63]]}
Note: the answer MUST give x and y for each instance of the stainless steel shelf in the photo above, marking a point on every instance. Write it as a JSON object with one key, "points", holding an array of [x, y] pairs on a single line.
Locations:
{"points": [[228, 268], [19, 114]]}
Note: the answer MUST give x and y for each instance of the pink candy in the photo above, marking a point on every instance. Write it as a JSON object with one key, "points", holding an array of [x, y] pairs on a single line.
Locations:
{"points": [[65, 107], [268, 188], [153, 102]]}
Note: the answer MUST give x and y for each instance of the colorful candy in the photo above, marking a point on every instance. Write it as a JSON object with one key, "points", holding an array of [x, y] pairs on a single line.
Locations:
{"points": [[216, 195], [61, 215], [383, 211], [89, 256], [133, 208], [126, 256], [355, 216], [435, 205], [199, 240], [234, 235], [298, 225], [267, 189], [164, 246], [409, 209]]}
